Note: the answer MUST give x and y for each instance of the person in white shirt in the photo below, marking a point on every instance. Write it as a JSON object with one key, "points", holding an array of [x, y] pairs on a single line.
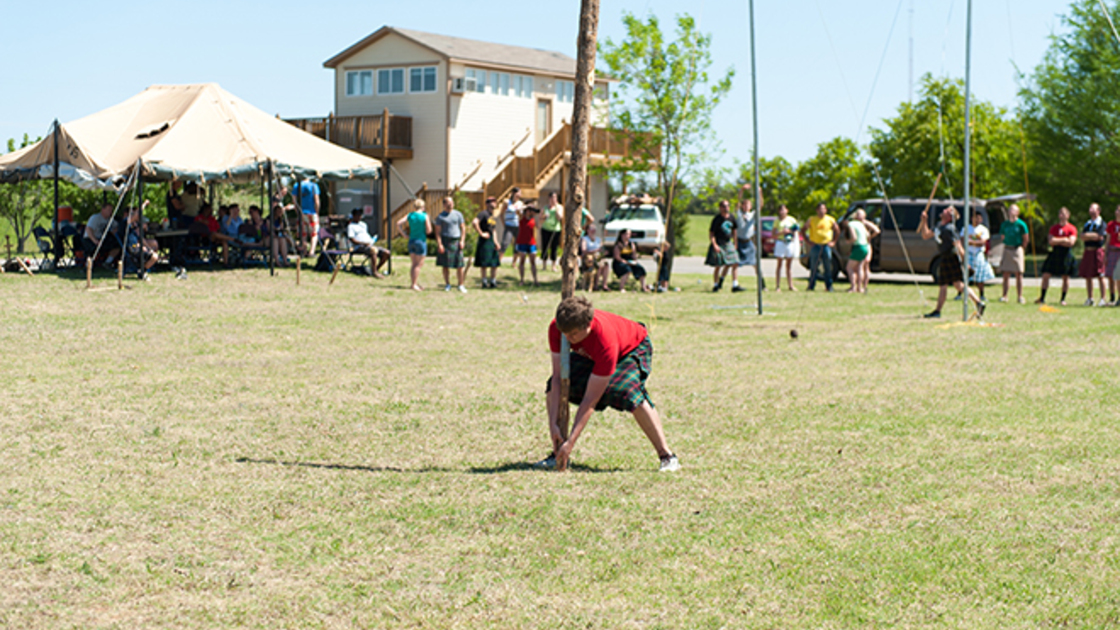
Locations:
{"points": [[593, 269], [358, 234]]}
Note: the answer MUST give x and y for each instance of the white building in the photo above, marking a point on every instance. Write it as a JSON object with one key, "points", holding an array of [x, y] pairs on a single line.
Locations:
{"points": [[453, 113]]}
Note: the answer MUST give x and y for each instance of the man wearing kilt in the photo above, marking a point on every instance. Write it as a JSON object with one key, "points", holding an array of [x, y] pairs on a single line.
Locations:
{"points": [[1093, 260], [610, 362], [451, 235], [722, 254], [486, 255], [1060, 261], [949, 249]]}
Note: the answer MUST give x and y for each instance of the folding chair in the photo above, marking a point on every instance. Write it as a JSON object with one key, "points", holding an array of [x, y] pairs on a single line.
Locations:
{"points": [[45, 242]]}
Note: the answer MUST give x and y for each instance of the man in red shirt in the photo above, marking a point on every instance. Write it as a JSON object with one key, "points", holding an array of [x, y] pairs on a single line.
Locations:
{"points": [[1060, 261], [610, 362], [1112, 255]]}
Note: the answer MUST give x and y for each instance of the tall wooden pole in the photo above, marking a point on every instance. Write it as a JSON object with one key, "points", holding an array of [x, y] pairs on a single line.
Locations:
{"points": [[967, 150], [757, 184], [577, 179]]}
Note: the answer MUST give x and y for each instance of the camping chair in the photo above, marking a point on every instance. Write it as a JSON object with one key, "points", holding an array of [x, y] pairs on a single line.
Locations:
{"points": [[248, 250], [334, 251], [197, 248], [45, 242], [71, 245]]}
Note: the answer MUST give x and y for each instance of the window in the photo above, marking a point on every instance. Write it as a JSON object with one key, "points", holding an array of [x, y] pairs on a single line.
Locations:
{"points": [[422, 79], [390, 81], [476, 80], [499, 83], [359, 83], [522, 86], [565, 91]]}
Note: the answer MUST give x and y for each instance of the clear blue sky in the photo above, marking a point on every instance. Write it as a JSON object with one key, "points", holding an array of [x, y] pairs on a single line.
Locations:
{"points": [[67, 59]]}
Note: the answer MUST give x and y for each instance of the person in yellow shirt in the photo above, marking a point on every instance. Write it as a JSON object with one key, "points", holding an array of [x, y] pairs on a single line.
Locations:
{"points": [[823, 233]]}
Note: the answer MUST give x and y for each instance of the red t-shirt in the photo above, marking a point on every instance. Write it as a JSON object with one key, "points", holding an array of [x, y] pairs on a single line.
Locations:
{"points": [[1061, 231], [612, 336], [211, 223], [1113, 231], [527, 231]]}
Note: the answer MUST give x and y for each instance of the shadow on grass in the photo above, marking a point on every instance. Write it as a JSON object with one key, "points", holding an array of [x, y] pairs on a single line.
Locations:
{"points": [[476, 470], [328, 466], [521, 466]]}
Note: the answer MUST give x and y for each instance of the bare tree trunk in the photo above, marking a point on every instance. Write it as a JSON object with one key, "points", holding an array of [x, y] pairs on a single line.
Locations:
{"points": [[581, 127], [577, 186]]}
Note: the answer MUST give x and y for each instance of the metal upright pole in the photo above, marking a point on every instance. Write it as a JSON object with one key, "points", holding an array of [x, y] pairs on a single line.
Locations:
{"points": [[757, 191], [57, 243], [967, 146], [271, 225]]}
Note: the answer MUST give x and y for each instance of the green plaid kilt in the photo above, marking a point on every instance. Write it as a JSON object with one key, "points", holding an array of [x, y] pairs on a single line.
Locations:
{"points": [[723, 256], [626, 390], [452, 256]]}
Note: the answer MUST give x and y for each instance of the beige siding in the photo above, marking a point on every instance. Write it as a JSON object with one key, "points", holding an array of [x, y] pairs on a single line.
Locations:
{"points": [[485, 127], [428, 110]]}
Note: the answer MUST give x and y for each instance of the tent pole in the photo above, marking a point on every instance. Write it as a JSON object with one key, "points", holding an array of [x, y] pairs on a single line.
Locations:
{"points": [[271, 221], [385, 226], [57, 243]]}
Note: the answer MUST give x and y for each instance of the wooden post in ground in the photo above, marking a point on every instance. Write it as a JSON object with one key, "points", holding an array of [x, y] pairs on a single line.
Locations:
{"points": [[577, 185]]}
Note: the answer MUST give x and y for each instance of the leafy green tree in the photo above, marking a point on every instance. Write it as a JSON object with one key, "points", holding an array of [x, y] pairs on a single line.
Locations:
{"points": [[908, 151], [836, 175], [1071, 113], [776, 177], [702, 193], [23, 204], [665, 104]]}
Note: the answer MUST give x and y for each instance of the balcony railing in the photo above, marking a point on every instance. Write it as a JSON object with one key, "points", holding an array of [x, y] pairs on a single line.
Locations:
{"points": [[381, 135]]}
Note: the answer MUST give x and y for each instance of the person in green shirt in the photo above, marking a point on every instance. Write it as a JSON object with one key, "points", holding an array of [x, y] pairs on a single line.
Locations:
{"points": [[419, 226], [1016, 236], [552, 223]]}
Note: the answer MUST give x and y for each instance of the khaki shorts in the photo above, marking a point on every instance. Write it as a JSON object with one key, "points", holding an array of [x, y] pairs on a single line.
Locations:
{"points": [[1013, 260]]}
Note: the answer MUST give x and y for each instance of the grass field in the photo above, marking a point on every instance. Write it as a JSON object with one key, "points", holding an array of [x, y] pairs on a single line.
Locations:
{"points": [[234, 450]]}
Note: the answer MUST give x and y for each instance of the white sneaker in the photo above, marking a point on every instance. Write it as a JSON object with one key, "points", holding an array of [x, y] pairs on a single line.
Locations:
{"points": [[1022, 300], [1102, 302], [1003, 299], [447, 287], [669, 463], [462, 289], [547, 463], [1089, 302]]}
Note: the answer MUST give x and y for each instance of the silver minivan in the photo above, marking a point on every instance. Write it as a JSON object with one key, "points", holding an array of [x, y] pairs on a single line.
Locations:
{"points": [[898, 220]]}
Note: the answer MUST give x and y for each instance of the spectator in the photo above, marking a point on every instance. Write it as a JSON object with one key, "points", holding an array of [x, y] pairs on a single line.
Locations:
{"points": [[526, 245], [192, 203], [1016, 236], [664, 257], [623, 256], [949, 254], [511, 219], [1112, 257], [278, 235], [860, 233], [592, 267], [451, 236], [552, 222], [175, 203], [419, 226], [978, 237], [145, 250], [486, 256], [610, 362], [307, 193], [206, 226], [722, 254], [787, 247], [101, 235], [1060, 261], [254, 230], [746, 221], [357, 232], [823, 233], [1093, 259], [231, 223]]}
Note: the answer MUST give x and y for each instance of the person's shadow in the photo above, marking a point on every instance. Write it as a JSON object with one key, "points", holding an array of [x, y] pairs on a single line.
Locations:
{"points": [[474, 470]]}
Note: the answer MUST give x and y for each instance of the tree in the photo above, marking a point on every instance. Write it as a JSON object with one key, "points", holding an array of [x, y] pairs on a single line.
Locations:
{"points": [[908, 151], [665, 105], [1071, 115], [837, 174], [23, 204], [775, 176]]}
